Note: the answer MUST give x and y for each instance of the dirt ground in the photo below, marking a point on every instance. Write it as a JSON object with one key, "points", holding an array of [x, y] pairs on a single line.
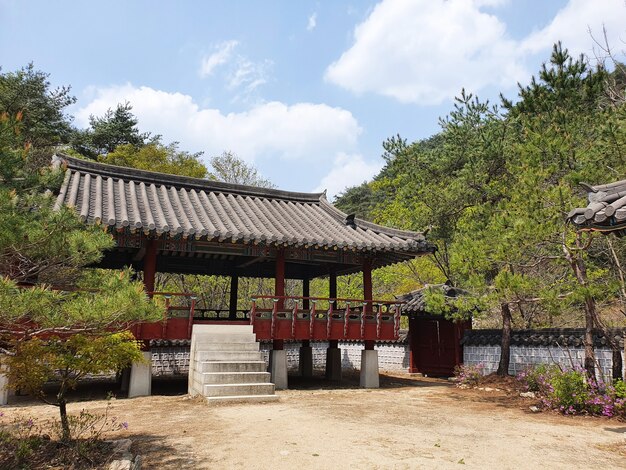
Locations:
{"points": [[408, 423]]}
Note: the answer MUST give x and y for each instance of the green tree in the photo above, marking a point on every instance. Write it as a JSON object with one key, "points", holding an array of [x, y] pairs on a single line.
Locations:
{"points": [[27, 93], [105, 134], [157, 157], [495, 186], [57, 319], [229, 168]]}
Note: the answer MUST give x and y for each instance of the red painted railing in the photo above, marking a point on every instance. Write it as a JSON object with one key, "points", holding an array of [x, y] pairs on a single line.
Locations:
{"points": [[172, 326], [357, 320], [343, 319]]}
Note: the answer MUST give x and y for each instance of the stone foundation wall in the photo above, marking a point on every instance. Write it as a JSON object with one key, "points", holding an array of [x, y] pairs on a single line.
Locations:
{"points": [[524, 356], [174, 360], [562, 346]]}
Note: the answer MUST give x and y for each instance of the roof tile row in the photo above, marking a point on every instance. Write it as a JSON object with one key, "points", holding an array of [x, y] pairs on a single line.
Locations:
{"points": [[188, 207]]}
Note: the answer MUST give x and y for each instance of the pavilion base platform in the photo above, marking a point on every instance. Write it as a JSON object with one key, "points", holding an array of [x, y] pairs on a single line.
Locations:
{"points": [[4, 387], [278, 368], [333, 362], [140, 384], [369, 369], [305, 362], [225, 365]]}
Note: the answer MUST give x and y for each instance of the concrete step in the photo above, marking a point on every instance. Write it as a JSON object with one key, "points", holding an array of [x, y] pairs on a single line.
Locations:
{"points": [[229, 356], [235, 377], [224, 338], [242, 399], [230, 390], [221, 329], [223, 346], [230, 366]]}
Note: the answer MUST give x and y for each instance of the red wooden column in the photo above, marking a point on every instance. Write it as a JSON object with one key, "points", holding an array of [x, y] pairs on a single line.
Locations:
{"points": [[305, 361], [232, 306], [278, 356], [367, 293], [332, 287], [306, 292], [149, 265], [333, 353], [279, 288]]}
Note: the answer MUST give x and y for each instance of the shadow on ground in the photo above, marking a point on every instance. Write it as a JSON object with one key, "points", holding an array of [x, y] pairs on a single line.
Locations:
{"points": [[103, 388], [156, 454]]}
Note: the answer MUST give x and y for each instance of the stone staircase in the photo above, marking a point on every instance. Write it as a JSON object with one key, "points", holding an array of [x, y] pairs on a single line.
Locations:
{"points": [[225, 364]]}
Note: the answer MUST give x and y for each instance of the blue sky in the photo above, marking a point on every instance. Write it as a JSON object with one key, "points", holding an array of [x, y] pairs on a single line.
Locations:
{"points": [[304, 90]]}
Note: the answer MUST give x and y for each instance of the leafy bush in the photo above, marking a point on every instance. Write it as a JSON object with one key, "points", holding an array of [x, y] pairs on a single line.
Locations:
{"points": [[538, 378], [571, 392], [468, 374]]}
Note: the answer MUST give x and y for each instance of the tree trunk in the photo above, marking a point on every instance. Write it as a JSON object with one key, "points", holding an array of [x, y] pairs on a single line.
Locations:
{"points": [[62, 403], [590, 356], [505, 345], [616, 372], [65, 424], [577, 264]]}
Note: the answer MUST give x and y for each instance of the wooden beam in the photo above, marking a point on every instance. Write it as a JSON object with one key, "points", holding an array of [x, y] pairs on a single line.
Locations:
{"points": [[140, 254], [252, 261]]}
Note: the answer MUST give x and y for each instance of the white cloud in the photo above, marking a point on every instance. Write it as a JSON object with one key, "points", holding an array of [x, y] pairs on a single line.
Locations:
{"points": [[572, 25], [223, 53], [312, 23], [248, 75], [307, 132], [425, 51], [347, 170]]}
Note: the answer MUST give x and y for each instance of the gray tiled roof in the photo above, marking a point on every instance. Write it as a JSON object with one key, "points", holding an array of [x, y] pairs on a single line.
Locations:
{"points": [[414, 302], [169, 205], [560, 337], [606, 210]]}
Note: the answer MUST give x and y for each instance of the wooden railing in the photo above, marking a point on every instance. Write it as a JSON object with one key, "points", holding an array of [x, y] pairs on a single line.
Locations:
{"points": [[366, 312]]}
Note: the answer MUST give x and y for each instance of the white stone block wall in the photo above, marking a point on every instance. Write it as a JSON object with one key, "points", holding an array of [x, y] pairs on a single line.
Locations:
{"points": [[391, 356], [174, 360], [525, 356], [170, 360]]}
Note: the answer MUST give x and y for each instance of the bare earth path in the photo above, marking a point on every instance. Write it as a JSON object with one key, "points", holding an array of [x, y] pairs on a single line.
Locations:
{"points": [[408, 424]]}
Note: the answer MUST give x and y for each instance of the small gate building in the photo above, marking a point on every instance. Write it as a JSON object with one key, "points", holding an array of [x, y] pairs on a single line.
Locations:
{"points": [[435, 341]]}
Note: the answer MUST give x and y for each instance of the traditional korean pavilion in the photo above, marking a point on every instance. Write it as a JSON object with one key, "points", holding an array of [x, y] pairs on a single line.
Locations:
{"points": [[174, 224]]}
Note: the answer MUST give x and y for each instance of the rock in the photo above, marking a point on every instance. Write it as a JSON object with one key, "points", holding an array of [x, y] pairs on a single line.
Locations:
{"points": [[528, 395], [121, 446], [488, 389], [534, 409], [123, 458], [120, 465]]}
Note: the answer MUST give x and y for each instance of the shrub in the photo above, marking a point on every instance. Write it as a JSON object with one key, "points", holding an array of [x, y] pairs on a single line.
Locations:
{"points": [[468, 374], [538, 378], [571, 392]]}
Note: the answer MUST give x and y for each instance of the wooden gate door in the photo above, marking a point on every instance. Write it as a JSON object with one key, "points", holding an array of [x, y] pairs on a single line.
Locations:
{"points": [[435, 345]]}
